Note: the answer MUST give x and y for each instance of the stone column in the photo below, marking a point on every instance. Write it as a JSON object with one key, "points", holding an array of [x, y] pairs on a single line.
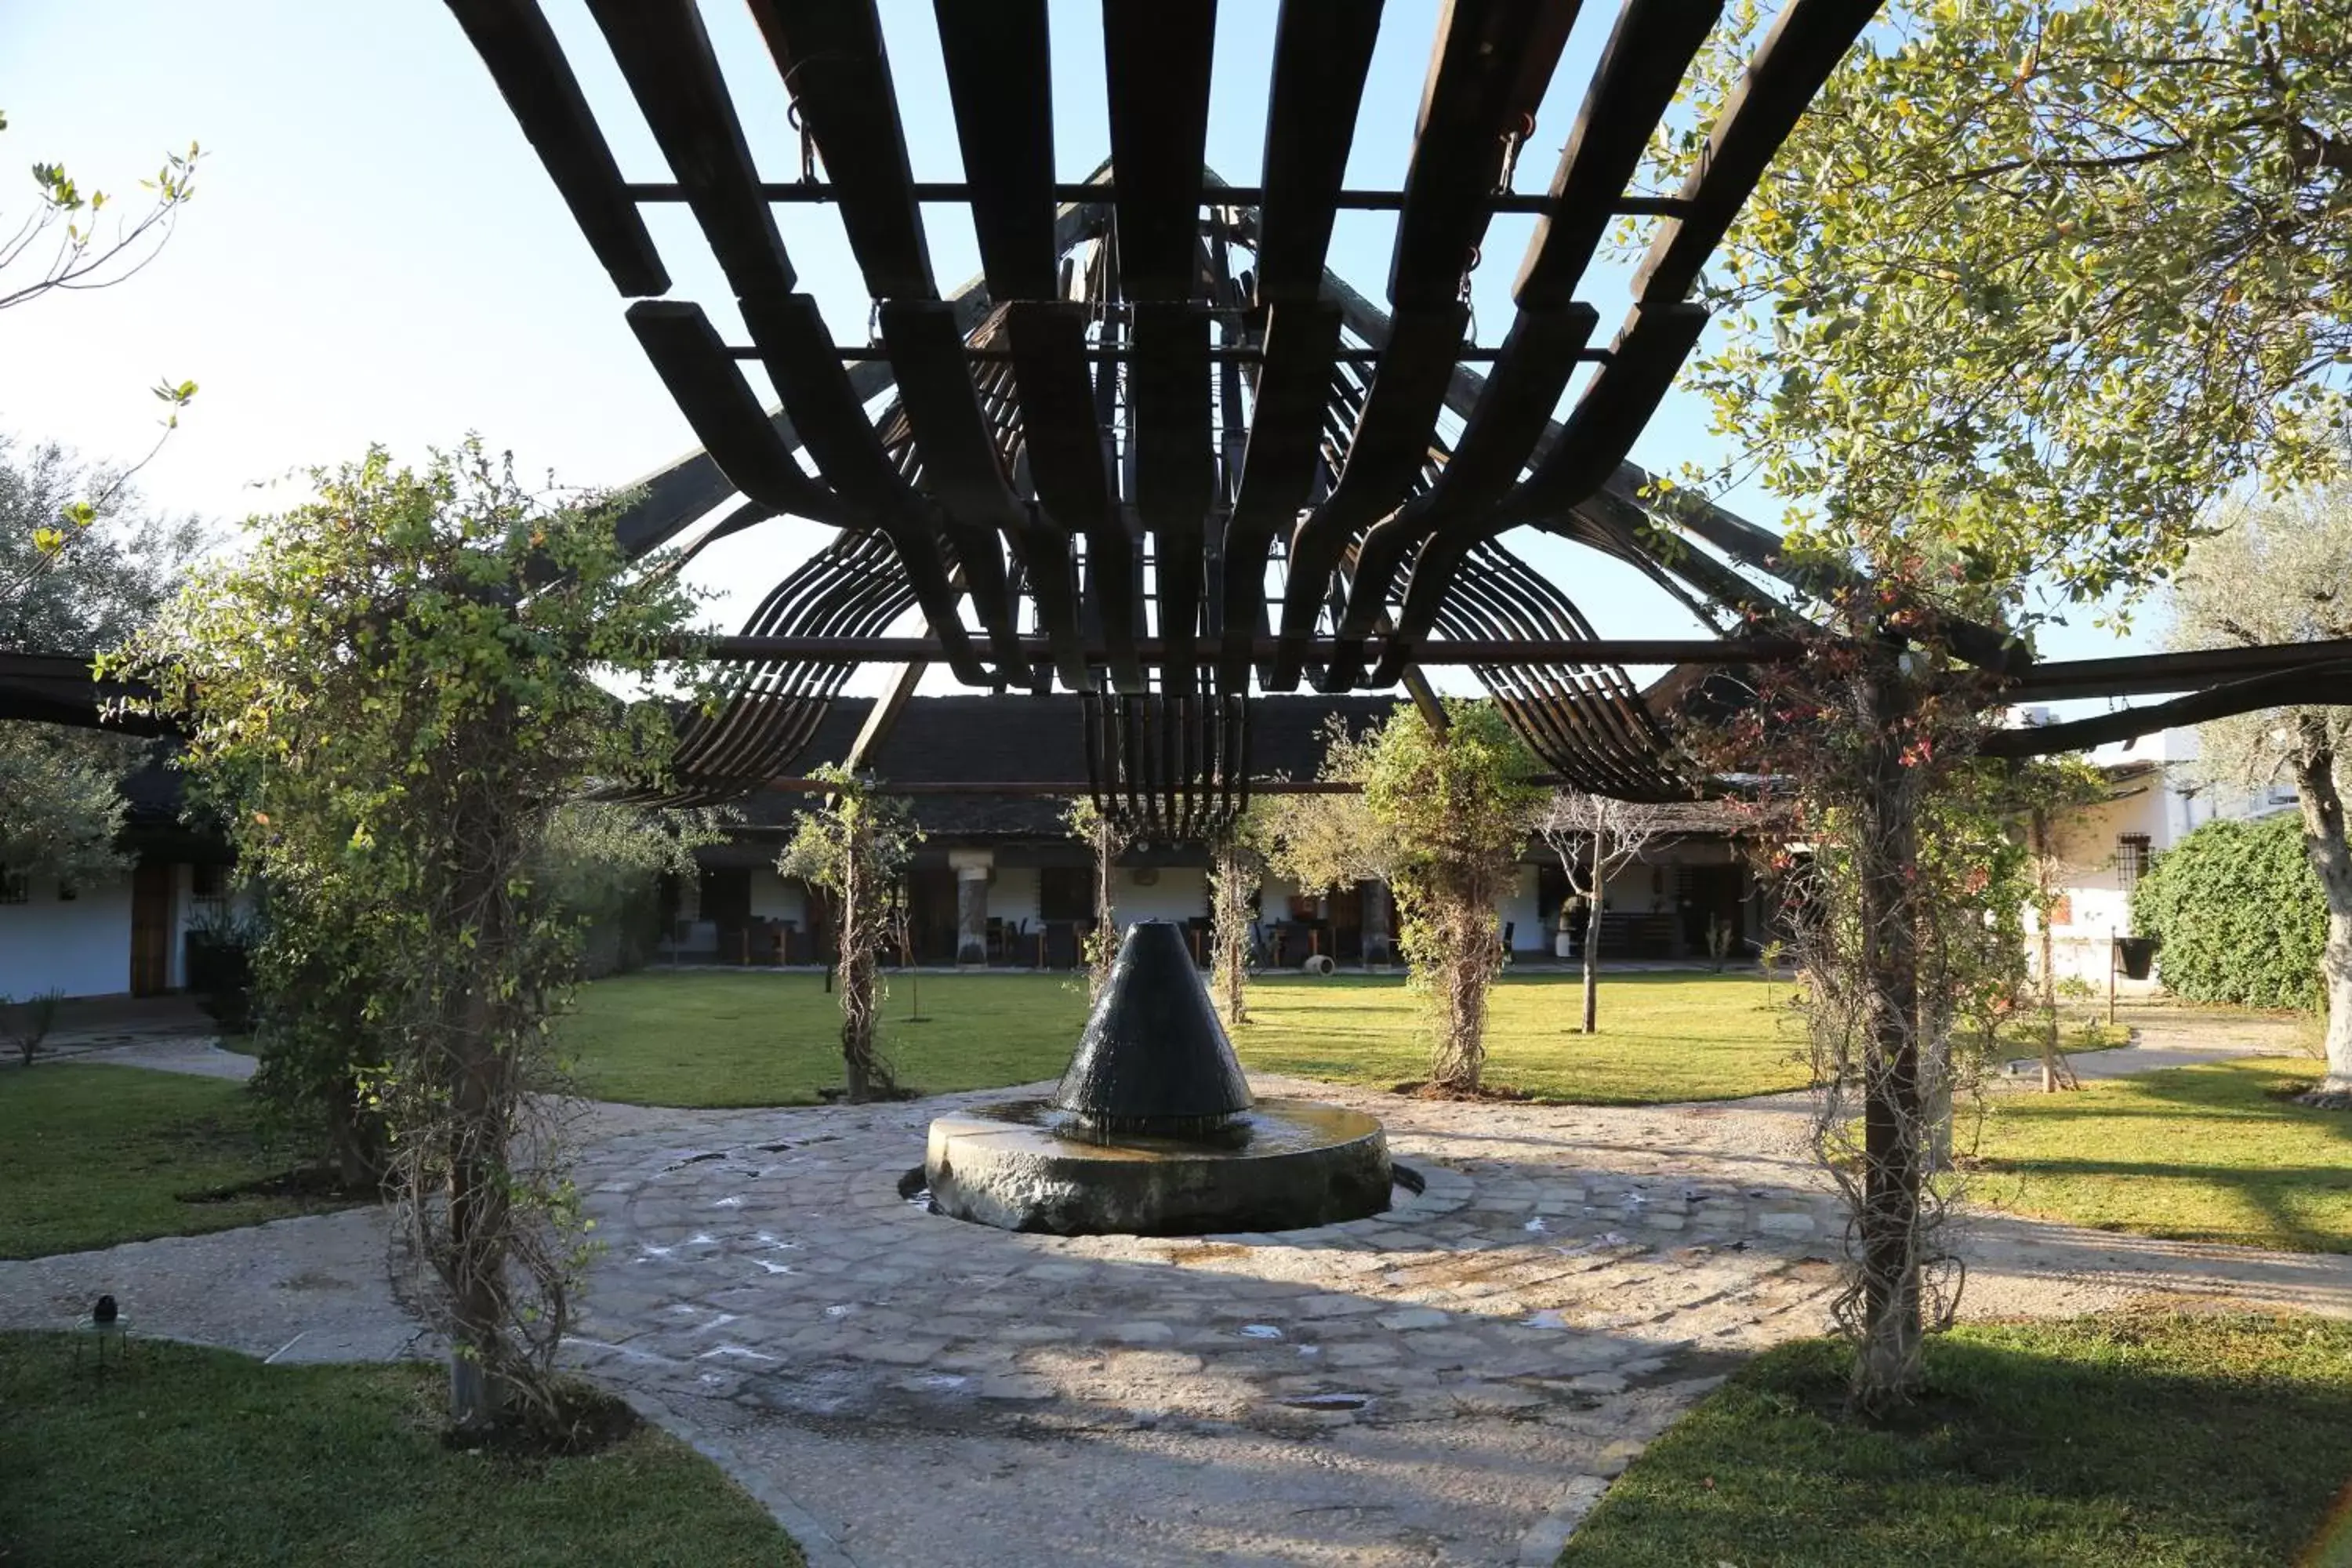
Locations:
{"points": [[972, 869]]}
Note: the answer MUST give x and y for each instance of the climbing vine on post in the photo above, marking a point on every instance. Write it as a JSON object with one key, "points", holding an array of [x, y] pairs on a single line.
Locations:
{"points": [[855, 846], [389, 697], [1105, 839], [1905, 904], [1236, 867]]}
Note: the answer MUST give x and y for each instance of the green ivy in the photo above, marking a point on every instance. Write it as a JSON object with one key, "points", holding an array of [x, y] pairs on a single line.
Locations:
{"points": [[2240, 916]]}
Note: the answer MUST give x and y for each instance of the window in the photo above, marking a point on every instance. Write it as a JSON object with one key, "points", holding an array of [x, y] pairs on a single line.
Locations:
{"points": [[2132, 855], [15, 886], [1065, 892], [207, 882]]}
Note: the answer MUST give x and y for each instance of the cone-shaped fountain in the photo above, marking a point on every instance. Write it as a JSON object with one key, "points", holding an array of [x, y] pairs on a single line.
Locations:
{"points": [[1153, 1131]]}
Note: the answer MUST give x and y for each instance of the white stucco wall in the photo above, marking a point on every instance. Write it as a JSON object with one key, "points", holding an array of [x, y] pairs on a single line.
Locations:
{"points": [[1181, 893], [80, 946], [1012, 896], [774, 899]]}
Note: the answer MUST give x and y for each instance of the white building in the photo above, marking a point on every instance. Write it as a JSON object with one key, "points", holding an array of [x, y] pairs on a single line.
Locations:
{"points": [[2103, 850]]}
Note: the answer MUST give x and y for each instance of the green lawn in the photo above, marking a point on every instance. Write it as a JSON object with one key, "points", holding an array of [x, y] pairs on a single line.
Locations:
{"points": [[2200, 1153], [1665, 1036], [193, 1457], [2118, 1442], [708, 1039], [91, 1156]]}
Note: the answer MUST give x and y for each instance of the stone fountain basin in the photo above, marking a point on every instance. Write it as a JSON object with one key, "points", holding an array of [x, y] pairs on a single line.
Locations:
{"points": [[1284, 1164]]}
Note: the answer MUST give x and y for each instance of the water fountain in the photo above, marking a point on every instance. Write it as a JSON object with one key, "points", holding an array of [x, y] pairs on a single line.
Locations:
{"points": [[1153, 1131]]}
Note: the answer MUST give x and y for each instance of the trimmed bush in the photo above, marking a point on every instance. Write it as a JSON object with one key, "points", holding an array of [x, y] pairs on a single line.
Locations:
{"points": [[2239, 913]]}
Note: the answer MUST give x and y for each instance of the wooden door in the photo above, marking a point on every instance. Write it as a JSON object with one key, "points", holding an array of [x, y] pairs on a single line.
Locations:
{"points": [[151, 927]]}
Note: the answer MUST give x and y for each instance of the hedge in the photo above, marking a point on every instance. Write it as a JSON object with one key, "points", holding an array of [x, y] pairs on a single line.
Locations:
{"points": [[2239, 913]]}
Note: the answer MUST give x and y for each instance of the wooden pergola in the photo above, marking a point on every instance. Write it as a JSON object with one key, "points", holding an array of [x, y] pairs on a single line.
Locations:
{"points": [[1158, 453]]}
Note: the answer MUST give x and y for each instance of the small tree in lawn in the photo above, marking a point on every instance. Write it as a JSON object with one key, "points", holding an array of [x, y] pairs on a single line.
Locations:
{"points": [[1597, 836], [1237, 865], [2282, 572], [855, 846], [389, 699]]}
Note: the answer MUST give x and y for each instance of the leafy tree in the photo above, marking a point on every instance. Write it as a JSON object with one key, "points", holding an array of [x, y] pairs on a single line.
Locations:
{"points": [[61, 807], [602, 867], [855, 845], [2029, 286], [2276, 573], [2033, 281], [1441, 818], [2240, 915], [390, 700]]}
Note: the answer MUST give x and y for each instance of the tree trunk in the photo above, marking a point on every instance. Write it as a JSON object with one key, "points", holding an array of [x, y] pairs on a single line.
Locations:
{"points": [[1599, 880], [475, 1270], [1592, 960], [1230, 931], [2331, 861], [1887, 1362], [858, 966]]}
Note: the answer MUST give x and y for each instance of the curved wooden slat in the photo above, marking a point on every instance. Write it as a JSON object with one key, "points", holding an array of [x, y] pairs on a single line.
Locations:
{"points": [[1632, 86], [1278, 466], [694, 364], [1807, 41], [1385, 457], [665, 55], [514, 40], [1000, 81], [1487, 72], [962, 469], [1156, 60], [1322, 49], [1613, 410], [834, 64]]}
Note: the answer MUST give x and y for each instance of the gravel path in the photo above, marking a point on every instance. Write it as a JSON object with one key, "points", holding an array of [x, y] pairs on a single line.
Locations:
{"points": [[1453, 1382]]}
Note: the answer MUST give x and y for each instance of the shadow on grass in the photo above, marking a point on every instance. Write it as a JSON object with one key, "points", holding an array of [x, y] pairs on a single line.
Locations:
{"points": [[2122, 1440]]}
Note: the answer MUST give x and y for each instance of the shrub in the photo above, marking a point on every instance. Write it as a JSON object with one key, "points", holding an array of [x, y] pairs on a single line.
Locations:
{"points": [[2240, 916]]}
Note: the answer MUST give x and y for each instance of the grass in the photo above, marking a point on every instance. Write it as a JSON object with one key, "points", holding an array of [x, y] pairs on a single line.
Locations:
{"points": [[1665, 1036], [91, 1156], [190, 1457], [705, 1039], [2121, 1442], [2213, 1153]]}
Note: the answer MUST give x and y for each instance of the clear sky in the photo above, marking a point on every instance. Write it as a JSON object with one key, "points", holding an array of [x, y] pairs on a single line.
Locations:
{"points": [[375, 253]]}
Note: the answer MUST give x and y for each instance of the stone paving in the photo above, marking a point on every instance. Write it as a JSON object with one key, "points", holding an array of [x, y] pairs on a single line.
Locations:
{"points": [[1450, 1383]]}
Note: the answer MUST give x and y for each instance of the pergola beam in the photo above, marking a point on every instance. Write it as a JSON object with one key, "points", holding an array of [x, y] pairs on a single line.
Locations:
{"points": [[1155, 651]]}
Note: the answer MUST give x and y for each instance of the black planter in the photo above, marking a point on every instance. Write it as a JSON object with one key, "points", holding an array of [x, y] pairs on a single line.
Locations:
{"points": [[2136, 954]]}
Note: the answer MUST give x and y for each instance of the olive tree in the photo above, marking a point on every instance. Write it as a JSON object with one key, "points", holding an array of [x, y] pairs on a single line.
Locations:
{"points": [[388, 696], [2275, 573], [2030, 285]]}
